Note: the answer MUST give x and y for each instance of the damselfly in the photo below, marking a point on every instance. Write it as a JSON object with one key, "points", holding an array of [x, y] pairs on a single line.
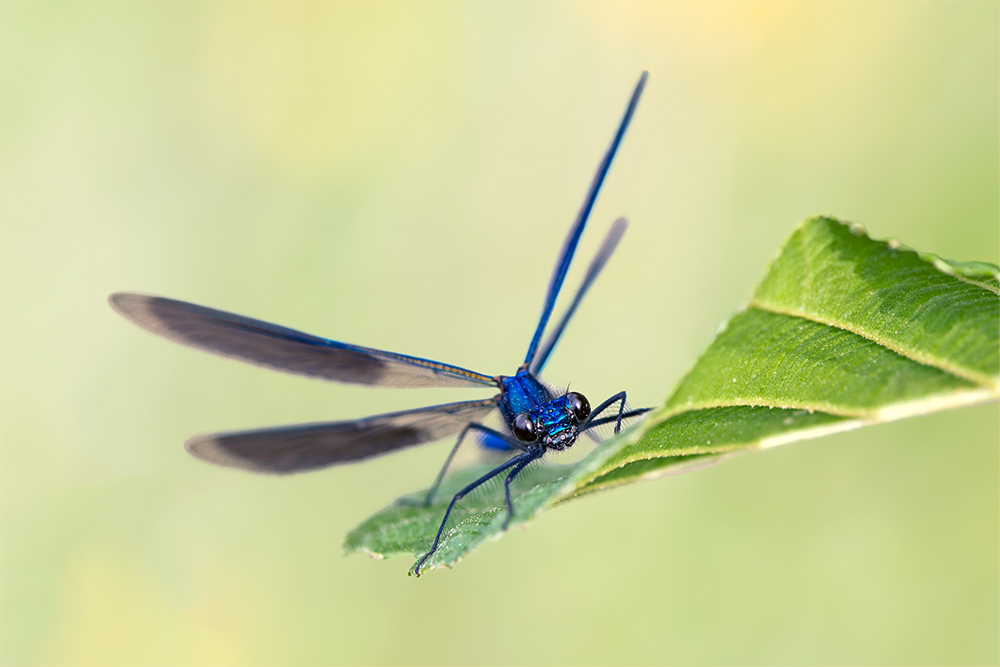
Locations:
{"points": [[536, 417]]}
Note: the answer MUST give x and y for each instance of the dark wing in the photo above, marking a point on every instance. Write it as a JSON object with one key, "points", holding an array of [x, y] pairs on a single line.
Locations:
{"points": [[283, 349], [304, 447]]}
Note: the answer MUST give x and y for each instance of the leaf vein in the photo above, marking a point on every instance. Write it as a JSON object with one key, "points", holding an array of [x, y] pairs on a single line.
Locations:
{"points": [[911, 354]]}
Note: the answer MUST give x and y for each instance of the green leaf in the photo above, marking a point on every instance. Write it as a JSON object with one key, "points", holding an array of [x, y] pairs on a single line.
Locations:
{"points": [[843, 331]]}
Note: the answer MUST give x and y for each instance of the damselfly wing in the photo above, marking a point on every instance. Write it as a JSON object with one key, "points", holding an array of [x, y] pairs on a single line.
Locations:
{"points": [[536, 418]]}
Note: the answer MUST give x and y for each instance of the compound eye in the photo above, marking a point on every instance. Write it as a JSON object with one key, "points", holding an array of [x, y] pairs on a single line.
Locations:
{"points": [[579, 404], [524, 428]]}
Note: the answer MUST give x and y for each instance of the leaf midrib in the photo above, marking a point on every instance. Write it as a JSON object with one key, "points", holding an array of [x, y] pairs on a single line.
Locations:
{"points": [[914, 355]]}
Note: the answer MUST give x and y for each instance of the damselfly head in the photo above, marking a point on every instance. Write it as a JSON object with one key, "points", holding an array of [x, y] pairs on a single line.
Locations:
{"points": [[525, 428], [578, 406], [553, 425]]}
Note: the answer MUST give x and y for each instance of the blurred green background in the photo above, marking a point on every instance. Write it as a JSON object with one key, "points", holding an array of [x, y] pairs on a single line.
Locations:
{"points": [[401, 175]]}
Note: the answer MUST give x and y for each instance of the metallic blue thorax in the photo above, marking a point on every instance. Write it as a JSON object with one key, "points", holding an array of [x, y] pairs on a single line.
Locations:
{"points": [[552, 415], [521, 393], [538, 417]]}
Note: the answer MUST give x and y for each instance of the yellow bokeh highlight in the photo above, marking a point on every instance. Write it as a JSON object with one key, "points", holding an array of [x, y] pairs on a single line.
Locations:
{"points": [[115, 610]]}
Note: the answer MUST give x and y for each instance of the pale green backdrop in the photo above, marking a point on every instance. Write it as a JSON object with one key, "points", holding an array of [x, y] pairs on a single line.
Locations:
{"points": [[401, 175]]}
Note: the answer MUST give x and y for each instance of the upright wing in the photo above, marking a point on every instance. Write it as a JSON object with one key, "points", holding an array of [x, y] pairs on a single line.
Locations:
{"points": [[283, 349], [569, 246], [304, 447]]}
